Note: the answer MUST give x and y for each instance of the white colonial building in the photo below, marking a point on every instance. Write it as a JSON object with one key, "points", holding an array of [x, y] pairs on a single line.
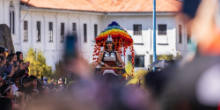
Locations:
{"points": [[43, 24]]}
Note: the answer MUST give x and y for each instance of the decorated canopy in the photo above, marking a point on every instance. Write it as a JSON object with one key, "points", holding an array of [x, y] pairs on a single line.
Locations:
{"points": [[121, 40], [118, 34]]}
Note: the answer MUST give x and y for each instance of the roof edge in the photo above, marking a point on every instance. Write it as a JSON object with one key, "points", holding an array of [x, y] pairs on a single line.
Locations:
{"points": [[32, 8]]}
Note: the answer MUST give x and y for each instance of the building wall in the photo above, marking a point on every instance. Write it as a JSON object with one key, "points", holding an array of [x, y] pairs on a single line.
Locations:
{"points": [[53, 50], [143, 45], [1, 11], [182, 47], [166, 45]]}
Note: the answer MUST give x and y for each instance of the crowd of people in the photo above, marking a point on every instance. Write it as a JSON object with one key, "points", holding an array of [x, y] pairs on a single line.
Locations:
{"points": [[16, 84]]}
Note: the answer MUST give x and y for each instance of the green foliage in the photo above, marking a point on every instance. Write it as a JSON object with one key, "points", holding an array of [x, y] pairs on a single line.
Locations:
{"points": [[134, 77], [38, 66], [59, 72], [165, 57], [178, 56], [138, 78]]}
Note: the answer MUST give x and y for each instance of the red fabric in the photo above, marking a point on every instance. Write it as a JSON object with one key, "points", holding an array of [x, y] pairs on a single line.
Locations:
{"points": [[214, 46], [219, 106]]}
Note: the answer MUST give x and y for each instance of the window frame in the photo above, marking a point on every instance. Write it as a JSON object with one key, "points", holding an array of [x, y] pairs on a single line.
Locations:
{"points": [[137, 29], [95, 30], [50, 31], [25, 30], [62, 31], [162, 31], [188, 38], [38, 25], [85, 32], [12, 17], [74, 28], [140, 65], [180, 34]]}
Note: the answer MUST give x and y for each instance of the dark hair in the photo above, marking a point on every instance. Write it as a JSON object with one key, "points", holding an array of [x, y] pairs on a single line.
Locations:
{"points": [[10, 57], [1, 59], [32, 77], [4, 89], [18, 53], [113, 46], [2, 50]]}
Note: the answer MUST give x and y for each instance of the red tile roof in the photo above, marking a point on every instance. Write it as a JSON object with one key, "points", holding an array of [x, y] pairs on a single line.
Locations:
{"points": [[107, 5]]}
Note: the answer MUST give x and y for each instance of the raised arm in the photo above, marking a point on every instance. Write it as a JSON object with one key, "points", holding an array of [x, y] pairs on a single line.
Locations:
{"points": [[100, 58]]}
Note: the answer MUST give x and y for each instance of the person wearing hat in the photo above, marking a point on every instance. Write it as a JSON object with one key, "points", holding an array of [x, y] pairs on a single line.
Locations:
{"points": [[110, 58]]}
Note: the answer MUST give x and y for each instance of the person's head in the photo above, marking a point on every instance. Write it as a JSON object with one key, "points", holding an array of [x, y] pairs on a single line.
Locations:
{"points": [[11, 58], [1, 81], [2, 60], [15, 58], [34, 81], [2, 51], [27, 84], [6, 52], [109, 43], [19, 55], [6, 91], [60, 81], [109, 46]]}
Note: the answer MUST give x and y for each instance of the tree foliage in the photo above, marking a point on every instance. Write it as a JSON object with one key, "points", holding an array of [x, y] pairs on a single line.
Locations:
{"points": [[134, 77], [38, 66], [165, 57], [59, 72]]}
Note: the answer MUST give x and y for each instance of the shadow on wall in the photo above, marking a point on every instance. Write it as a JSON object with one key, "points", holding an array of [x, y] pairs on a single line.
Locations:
{"points": [[5, 38]]}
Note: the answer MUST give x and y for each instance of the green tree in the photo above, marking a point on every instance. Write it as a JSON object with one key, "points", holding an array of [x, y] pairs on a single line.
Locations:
{"points": [[59, 72], [38, 66]]}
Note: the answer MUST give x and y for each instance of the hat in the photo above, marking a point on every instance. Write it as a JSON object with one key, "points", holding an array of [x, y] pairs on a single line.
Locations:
{"points": [[109, 39]]}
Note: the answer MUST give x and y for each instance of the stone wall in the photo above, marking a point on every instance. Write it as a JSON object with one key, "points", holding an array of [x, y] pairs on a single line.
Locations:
{"points": [[5, 38]]}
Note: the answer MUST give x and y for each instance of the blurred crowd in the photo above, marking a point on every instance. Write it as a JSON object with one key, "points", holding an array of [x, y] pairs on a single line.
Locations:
{"points": [[17, 86], [191, 83]]}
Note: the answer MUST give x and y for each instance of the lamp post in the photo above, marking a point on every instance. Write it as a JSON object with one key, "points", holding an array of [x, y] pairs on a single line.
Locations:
{"points": [[154, 33]]}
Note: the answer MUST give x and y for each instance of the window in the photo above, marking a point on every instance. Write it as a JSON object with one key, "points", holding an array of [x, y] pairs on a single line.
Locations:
{"points": [[188, 38], [12, 18], [180, 33], [38, 31], [137, 28], [74, 30], [162, 29], [95, 30], [50, 32], [85, 32], [25, 31], [138, 60], [62, 29]]}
